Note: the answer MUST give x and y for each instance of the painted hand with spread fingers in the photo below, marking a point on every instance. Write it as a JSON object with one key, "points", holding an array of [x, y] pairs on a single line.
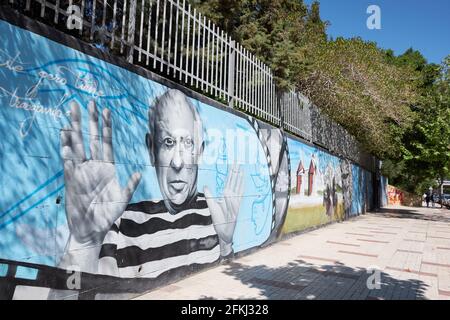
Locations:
{"points": [[94, 196], [224, 210]]}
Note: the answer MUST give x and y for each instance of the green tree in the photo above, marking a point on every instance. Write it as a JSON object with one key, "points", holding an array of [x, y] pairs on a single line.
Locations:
{"points": [[425, 157], [354, 83]]}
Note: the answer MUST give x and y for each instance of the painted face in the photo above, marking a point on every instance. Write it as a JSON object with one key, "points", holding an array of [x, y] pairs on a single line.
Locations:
{"points": [[176, 153]]}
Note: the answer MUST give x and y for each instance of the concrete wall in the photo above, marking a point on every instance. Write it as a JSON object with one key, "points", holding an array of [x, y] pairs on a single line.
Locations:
{"points": [[117, 181]]}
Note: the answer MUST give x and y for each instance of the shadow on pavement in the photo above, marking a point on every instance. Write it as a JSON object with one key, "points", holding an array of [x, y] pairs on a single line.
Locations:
{"points": [[432, 214], [300, 280]]}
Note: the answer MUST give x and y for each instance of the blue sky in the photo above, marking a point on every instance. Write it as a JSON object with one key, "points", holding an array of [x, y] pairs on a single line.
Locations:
{"points": [[423, 25]]}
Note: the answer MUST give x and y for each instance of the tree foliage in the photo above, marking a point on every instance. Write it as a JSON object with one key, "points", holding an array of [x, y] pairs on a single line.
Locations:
{"points": [[354, 83], [425, 153]]}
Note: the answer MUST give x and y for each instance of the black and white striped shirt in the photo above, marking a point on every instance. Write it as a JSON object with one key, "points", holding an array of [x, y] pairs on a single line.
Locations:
{"points": [[147, 240]]}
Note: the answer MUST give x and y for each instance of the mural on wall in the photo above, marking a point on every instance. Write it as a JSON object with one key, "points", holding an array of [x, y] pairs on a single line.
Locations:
{"points": [[395, 196], [317, 195], [118, 176], [131, 184], [362, 199]]}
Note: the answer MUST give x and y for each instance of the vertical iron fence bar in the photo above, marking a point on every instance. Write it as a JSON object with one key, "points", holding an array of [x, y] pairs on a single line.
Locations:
{"points": [[255, 87], [176, 40], [259, 92], [241, 76], [163, 40], [122, 38], [213, 27], [187, 43], [301, 116], [225, 67], [213, 60], [82, 16], [252, 90], [203, 53], [238, 73], [291, 107], [182, 39], [222, 67], [131, 30], [147, 61], [93, 23], [105, 3], [207, 58], [286, 108], [261, 88], [216, 82], [43, 6], [169, 48], [231, 73], [269, 88], [274, 98], [199, 27], [219, 83], [56, 11], [269, 92], [113, 31], [194, 13], [248, 80], [294, 110], [141, 30], [266, 92], [155, 55]]}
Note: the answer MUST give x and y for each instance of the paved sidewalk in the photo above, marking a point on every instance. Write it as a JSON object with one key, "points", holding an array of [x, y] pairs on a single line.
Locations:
{"points": [[411, 247]]}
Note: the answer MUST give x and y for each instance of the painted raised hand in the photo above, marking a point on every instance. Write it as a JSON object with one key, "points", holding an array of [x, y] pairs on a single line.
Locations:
{"points": [[94, 197], [224, 210]]}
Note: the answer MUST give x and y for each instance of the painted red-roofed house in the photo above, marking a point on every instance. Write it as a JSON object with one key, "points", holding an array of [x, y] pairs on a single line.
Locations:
{"points": [[300, 173], [311, 174]]}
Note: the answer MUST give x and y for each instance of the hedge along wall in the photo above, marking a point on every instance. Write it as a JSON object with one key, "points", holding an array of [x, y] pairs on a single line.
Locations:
{"points": [[115, 181]]}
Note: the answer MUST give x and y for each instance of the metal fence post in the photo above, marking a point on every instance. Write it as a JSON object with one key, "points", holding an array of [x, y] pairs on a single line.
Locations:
{"points": [[131, 29], [280, 106], [231, 73]]}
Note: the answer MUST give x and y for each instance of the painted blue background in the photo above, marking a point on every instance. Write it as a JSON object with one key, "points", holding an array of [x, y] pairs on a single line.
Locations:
{"points": [[362, 192]]}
